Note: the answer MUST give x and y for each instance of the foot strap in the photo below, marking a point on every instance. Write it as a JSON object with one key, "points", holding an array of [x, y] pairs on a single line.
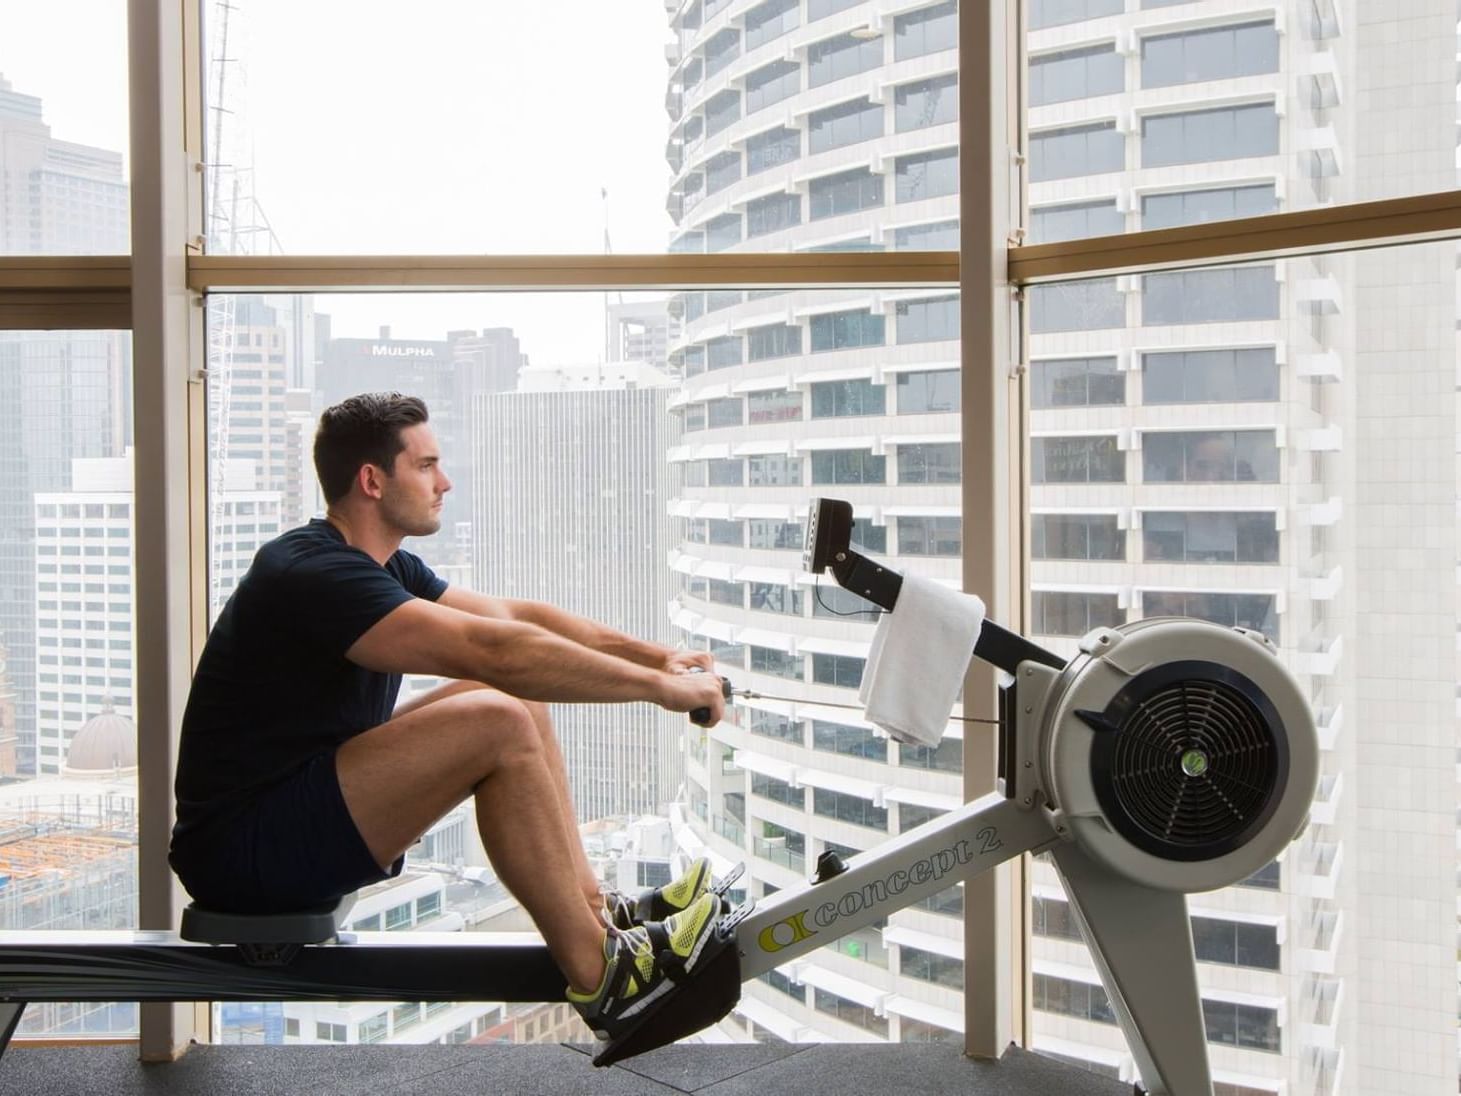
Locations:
{"points": [[699, 999]]}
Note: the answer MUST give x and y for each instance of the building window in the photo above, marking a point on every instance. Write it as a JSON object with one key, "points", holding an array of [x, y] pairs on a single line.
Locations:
{"points": [[926, 31], [727, 412], [869, 537], [771, 725], [1065, 153], [833, 601], [912, 815], [1203, 136], [926, 175], [832, 466], [329, 1033], [928, 966], [844, 671], [771, 149], [1066, 997], [1210, 456], [428, 905], [846, 330], [729, 533], [1235, 943], [849, 808], [773, 341], [1210, 296], [778, 791], [775, 534], [1076, 536], [936, 236], [1251, 1026], [926, 103], [725, 473], [722, 48], [768, 660], [850, 1012], [783, 984], [845, 192], [723, 232], [1076, 382], [841, 57], [1202, 537], [721, 110], [928, 392], [1199, 206], [775, 471], [852, 741], [1210, 376], [930, 536], [1091, 305], [845, 399], [1051, 917], [721, 171], [1076, 74], [769, 597], [1212, 53], [1073, 613], [722, 592], [769, 21], [1054, 13], [1257, 612], [928, 320], [1080, 459], [929, 463], [772, 214], [946, 757], [820, 9], [845, 124], [1076, 221], [398, 917]]}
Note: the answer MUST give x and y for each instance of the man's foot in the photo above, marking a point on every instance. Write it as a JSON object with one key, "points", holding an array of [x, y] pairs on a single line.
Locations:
{"points": [[640, 961], [623, 912]]}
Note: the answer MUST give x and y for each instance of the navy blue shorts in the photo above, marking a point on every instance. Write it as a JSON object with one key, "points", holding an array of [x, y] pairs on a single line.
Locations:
{"points": [[295, 845]]}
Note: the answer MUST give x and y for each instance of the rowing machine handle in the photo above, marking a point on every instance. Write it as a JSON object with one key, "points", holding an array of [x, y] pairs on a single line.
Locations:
{"points": [[701, 716]]}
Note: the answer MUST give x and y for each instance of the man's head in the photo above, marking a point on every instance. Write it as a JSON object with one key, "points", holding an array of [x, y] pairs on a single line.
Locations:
{"points": [[378, 448]]}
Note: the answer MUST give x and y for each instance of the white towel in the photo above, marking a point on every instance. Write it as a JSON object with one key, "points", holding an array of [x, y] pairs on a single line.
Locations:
{"points": [[917, 661]]}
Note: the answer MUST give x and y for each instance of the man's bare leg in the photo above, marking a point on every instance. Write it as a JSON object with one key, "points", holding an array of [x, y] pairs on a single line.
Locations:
{"points": [[400, 777], [588, 881]]}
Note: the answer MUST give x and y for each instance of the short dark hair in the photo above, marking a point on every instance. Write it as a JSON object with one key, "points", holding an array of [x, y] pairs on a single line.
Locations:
{"points": [[364, 429]]}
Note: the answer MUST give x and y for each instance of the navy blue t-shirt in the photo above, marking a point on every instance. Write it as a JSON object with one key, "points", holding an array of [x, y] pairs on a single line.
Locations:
{"points": [[274, 688]]}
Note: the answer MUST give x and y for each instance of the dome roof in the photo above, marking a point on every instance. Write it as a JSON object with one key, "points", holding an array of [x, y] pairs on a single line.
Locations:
{"points": [[106, 743]]}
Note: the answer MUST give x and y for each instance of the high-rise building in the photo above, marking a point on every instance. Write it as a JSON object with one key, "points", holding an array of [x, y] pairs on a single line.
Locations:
{"points": [[1215, 443], [586, 531]]}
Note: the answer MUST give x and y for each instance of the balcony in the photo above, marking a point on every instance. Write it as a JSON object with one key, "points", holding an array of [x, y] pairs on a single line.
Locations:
{"points": [[1319, 864], [1320, 367], [1318, 151], [1319, 657], [1318, 941], [1326, 799], [1319, 1013], [1329, 721], [1320, 83], [1322, 1070]]}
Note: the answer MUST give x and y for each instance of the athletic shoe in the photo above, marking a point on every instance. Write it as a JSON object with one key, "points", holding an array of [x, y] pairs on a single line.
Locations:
{"points": [[657, 903], [644, 963]]}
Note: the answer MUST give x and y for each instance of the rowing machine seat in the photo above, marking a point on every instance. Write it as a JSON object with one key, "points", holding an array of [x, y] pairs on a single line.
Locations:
{"points": [[315, 925]]}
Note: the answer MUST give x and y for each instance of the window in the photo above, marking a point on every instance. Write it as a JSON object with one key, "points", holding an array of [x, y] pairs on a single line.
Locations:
{"points": [[1073, 613], [775, 534], [947, 757], [1079, 459], [844, 124], [928, 966], [844, 671], [1090, 305], [1067, 997], [1210, 376], [848, 808], [820, 9], [848, 466], [1235, 943], [928, 320], [721, 110], [1076, 382], [850, 1012], [935, 236], [1241, 1025], [1198, 206], [723, 352], [841, 57], [1212, 53], [768, 660], [778, 791], [772, 214], [1210, 296], [725, 473], [1070, 151], [926, 175], [930, 536], [1076, 222], [723, 232], [833, 601], [926, 31], [839, 738], [845, 192], [775, 471], [1076, 74], [1202, 537], [1210, 456], [1227, 133], [717, 299], [938, 463], [771, 725], [771, 84], [727, 412], [840, 399], [772, 341], [1052, 917], [927, 392], [1258, 612], [721, 171], [772, 148], [772, 598], [722, 48], [1076, 536], [846, 330], [1053, 13], [926, 103], [774, 406], [911, 815], [770, 20]]}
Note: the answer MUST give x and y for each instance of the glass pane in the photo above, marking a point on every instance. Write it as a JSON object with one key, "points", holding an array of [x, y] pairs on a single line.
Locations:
{"points": [[489, 152], [68, 709], [63, 118], [1177, 115], [1286, 442], [646, 461]]}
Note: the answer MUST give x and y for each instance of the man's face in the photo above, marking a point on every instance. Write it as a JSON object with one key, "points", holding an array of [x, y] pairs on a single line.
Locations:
{"points": [[411, 497]]}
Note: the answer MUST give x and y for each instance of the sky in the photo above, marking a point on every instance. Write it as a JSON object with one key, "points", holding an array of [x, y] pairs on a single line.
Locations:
{"points": [[438, 127]]}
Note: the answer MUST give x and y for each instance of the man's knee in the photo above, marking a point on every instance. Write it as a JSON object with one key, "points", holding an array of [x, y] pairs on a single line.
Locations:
{"points": [[504, 726]]}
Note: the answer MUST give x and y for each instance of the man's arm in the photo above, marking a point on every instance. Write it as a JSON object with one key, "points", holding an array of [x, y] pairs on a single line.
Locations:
{"points": [[521, 658], [579, 629]]}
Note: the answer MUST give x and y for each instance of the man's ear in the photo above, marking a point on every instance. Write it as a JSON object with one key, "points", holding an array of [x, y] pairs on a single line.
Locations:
{"points": [[371, 479]]}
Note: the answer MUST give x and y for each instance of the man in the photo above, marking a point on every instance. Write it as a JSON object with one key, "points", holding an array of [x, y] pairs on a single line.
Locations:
{"points": [[297, 783]]}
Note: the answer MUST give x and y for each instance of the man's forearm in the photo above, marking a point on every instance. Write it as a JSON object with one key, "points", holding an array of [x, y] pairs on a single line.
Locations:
{"points": [[590, 633]]}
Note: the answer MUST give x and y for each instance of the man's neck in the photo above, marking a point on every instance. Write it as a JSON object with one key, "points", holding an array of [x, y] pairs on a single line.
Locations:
{"points": [[365, 532]]}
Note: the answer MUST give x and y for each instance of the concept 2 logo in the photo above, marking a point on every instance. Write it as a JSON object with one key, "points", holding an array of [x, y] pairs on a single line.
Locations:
{"points": [[793, 929]]}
